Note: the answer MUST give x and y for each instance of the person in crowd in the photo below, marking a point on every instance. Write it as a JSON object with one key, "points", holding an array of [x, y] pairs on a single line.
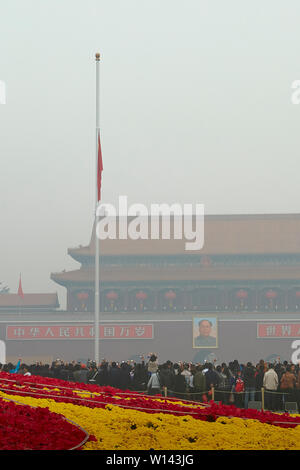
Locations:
{"points": [[114, 375], [270, 384], [154, 383], [287, 385], [92, 372], [279, 369], [140, 377], [259, 380], [83, 373], [152, 364], [76, 373], [14, 370], [229, 382], [64, 373], [235, 367], [56, 366], [186, 373], [125, 380], [212, 378], [219, 392], [249, 382], [47, 372], [293, 370], [190, 388], [167, 377], [199, 383], [238, 389], [26, 371], [101, 377], [180, 384]]}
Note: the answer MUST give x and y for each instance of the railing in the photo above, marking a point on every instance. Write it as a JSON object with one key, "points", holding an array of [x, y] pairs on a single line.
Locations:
{"points": [[211, 394]]}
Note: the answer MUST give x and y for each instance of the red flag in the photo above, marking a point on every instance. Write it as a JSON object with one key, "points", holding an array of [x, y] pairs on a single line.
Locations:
{"points": [[20, 290], [99, 169]]}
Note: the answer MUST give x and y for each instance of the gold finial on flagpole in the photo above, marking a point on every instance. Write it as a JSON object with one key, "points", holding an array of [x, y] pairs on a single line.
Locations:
{"points": [[97, 55]]}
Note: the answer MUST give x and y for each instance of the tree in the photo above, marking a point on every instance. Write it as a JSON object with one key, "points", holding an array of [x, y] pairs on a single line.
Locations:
{"points": [[3, 289]]}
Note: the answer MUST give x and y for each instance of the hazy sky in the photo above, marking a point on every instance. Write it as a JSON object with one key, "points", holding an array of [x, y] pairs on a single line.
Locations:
{"points": [[195, 107]]}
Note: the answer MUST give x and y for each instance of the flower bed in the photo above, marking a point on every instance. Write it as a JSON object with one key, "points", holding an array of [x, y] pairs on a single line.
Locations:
{"points": [[127, 420], [93, 396], [23, 427], [115, 428]]}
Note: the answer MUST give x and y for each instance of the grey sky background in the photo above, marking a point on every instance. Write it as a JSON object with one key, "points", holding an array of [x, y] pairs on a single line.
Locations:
{"points": [[195, 107]]}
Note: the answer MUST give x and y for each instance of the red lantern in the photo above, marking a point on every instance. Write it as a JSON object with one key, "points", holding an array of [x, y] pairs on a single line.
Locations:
{"points": [[141, 295], [112, 295], [297, 293], [170, 296], [241, 294], [82, 295], [271, 294]]}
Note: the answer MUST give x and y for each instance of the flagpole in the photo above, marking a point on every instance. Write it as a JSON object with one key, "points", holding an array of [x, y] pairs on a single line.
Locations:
{"points": [[97, 267]]}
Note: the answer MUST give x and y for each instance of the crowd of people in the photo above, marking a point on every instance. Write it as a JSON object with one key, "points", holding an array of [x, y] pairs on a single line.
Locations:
{"points": [[228, 383]]}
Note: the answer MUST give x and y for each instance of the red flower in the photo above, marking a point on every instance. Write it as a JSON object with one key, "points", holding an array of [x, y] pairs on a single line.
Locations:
{"points": [[23, 427]]}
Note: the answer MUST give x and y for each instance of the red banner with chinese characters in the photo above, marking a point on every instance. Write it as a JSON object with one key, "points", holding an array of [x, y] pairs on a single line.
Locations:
{"points": [[278, 330], [111, 331]]}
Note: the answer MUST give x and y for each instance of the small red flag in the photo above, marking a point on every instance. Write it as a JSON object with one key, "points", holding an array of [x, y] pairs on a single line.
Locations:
{"points": [[99, 169], [20, 290]]}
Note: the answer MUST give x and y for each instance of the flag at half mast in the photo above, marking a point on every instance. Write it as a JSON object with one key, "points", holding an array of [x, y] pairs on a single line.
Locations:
{"points": [[99, 169]]}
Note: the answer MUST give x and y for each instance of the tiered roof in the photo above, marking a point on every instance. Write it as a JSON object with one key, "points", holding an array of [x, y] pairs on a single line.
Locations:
{"points": [[223, 234], [228, 235], [36, 301]]}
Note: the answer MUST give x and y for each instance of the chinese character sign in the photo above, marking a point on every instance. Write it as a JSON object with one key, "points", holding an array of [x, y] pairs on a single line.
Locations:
{"points": [[278, 330], [115, 331]]}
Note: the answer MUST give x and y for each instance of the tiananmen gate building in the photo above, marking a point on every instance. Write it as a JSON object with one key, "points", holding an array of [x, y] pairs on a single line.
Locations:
{"points": [[244, 282]]}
